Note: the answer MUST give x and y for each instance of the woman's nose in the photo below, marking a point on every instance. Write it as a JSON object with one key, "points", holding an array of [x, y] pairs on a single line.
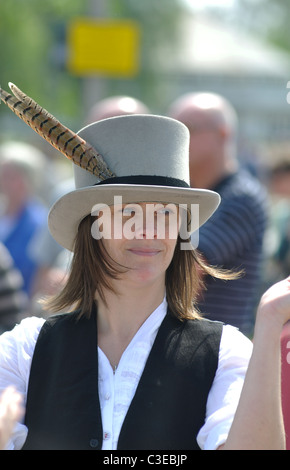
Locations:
{"points": [[146, 226]]}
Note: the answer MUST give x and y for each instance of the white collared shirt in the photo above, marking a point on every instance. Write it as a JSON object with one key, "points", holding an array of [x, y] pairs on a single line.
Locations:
{"points": [[116, 389]]}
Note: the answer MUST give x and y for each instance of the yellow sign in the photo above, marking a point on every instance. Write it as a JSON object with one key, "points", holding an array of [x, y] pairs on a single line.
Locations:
{"points": [[103, 47]]}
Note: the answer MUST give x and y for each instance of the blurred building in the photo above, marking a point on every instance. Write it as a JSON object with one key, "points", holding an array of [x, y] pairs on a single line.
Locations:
{"points": [[252, 74], [205, 54]]}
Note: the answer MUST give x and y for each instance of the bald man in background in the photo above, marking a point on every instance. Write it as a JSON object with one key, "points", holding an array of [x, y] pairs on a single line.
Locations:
{"points": [[233, 237], [118, 105]]}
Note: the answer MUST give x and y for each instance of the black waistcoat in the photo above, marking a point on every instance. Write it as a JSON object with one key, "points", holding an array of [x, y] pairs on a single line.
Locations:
{"points": [[167, 411]]}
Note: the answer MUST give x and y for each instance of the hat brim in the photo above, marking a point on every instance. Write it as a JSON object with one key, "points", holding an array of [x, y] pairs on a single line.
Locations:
{"points": [[67, 213]]}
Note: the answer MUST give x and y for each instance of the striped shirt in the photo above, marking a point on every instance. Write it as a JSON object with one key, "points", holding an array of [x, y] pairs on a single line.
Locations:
{"points": [[233, 238], [13, 301]]}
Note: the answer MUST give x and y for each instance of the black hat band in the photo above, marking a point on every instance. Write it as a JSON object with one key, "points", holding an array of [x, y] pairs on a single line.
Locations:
{"points": [[147, 180]]}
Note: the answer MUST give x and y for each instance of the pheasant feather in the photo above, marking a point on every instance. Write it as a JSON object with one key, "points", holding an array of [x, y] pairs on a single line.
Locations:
{"points": [[63, 139]]}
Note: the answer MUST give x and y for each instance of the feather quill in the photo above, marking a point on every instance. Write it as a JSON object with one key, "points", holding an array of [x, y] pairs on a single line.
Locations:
{"points": [[59, 136]]}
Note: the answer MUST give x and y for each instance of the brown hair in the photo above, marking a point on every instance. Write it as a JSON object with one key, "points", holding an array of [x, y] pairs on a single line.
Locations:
{"points": [[92, 268]]}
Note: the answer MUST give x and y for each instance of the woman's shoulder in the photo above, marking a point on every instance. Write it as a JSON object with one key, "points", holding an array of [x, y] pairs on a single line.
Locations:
{"points": [[16, 351], [235, 344], [232, 342], [26, 331]]}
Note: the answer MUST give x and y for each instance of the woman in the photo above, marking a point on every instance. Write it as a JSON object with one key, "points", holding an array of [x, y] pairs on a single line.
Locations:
{"points": [[134, 366]]}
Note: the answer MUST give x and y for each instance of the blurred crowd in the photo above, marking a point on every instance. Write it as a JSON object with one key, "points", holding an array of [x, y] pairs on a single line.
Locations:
{"points": [[250, 231]]}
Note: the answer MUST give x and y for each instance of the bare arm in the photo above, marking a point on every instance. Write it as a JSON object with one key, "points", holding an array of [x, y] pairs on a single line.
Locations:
{"points": [[258, 423]]}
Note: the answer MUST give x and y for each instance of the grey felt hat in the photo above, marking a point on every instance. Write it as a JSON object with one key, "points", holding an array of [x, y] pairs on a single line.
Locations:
{"points": [[149, 159]]}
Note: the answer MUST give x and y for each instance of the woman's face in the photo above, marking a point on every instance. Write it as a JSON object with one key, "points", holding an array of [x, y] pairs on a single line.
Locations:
{"points": [[141, 237]]}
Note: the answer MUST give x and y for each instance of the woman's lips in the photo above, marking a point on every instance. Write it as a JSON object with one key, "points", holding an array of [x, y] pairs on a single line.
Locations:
{"points": [[144, 251]]}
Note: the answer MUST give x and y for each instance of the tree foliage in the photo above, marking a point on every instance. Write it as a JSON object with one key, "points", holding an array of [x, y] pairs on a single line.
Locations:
{"points": [[29, 32], [159, 21], [32, 53], [267, 19]]}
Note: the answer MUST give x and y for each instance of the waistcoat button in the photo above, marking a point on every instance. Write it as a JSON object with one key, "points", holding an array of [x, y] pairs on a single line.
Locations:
{"points": [[94, 443]]}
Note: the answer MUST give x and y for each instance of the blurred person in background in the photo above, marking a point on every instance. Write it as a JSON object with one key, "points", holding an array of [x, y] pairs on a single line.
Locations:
{"points": [[281, 187], [278, 233], [116, 106], [233, 237], [52, 260], [13, 300], [23, 213]]}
